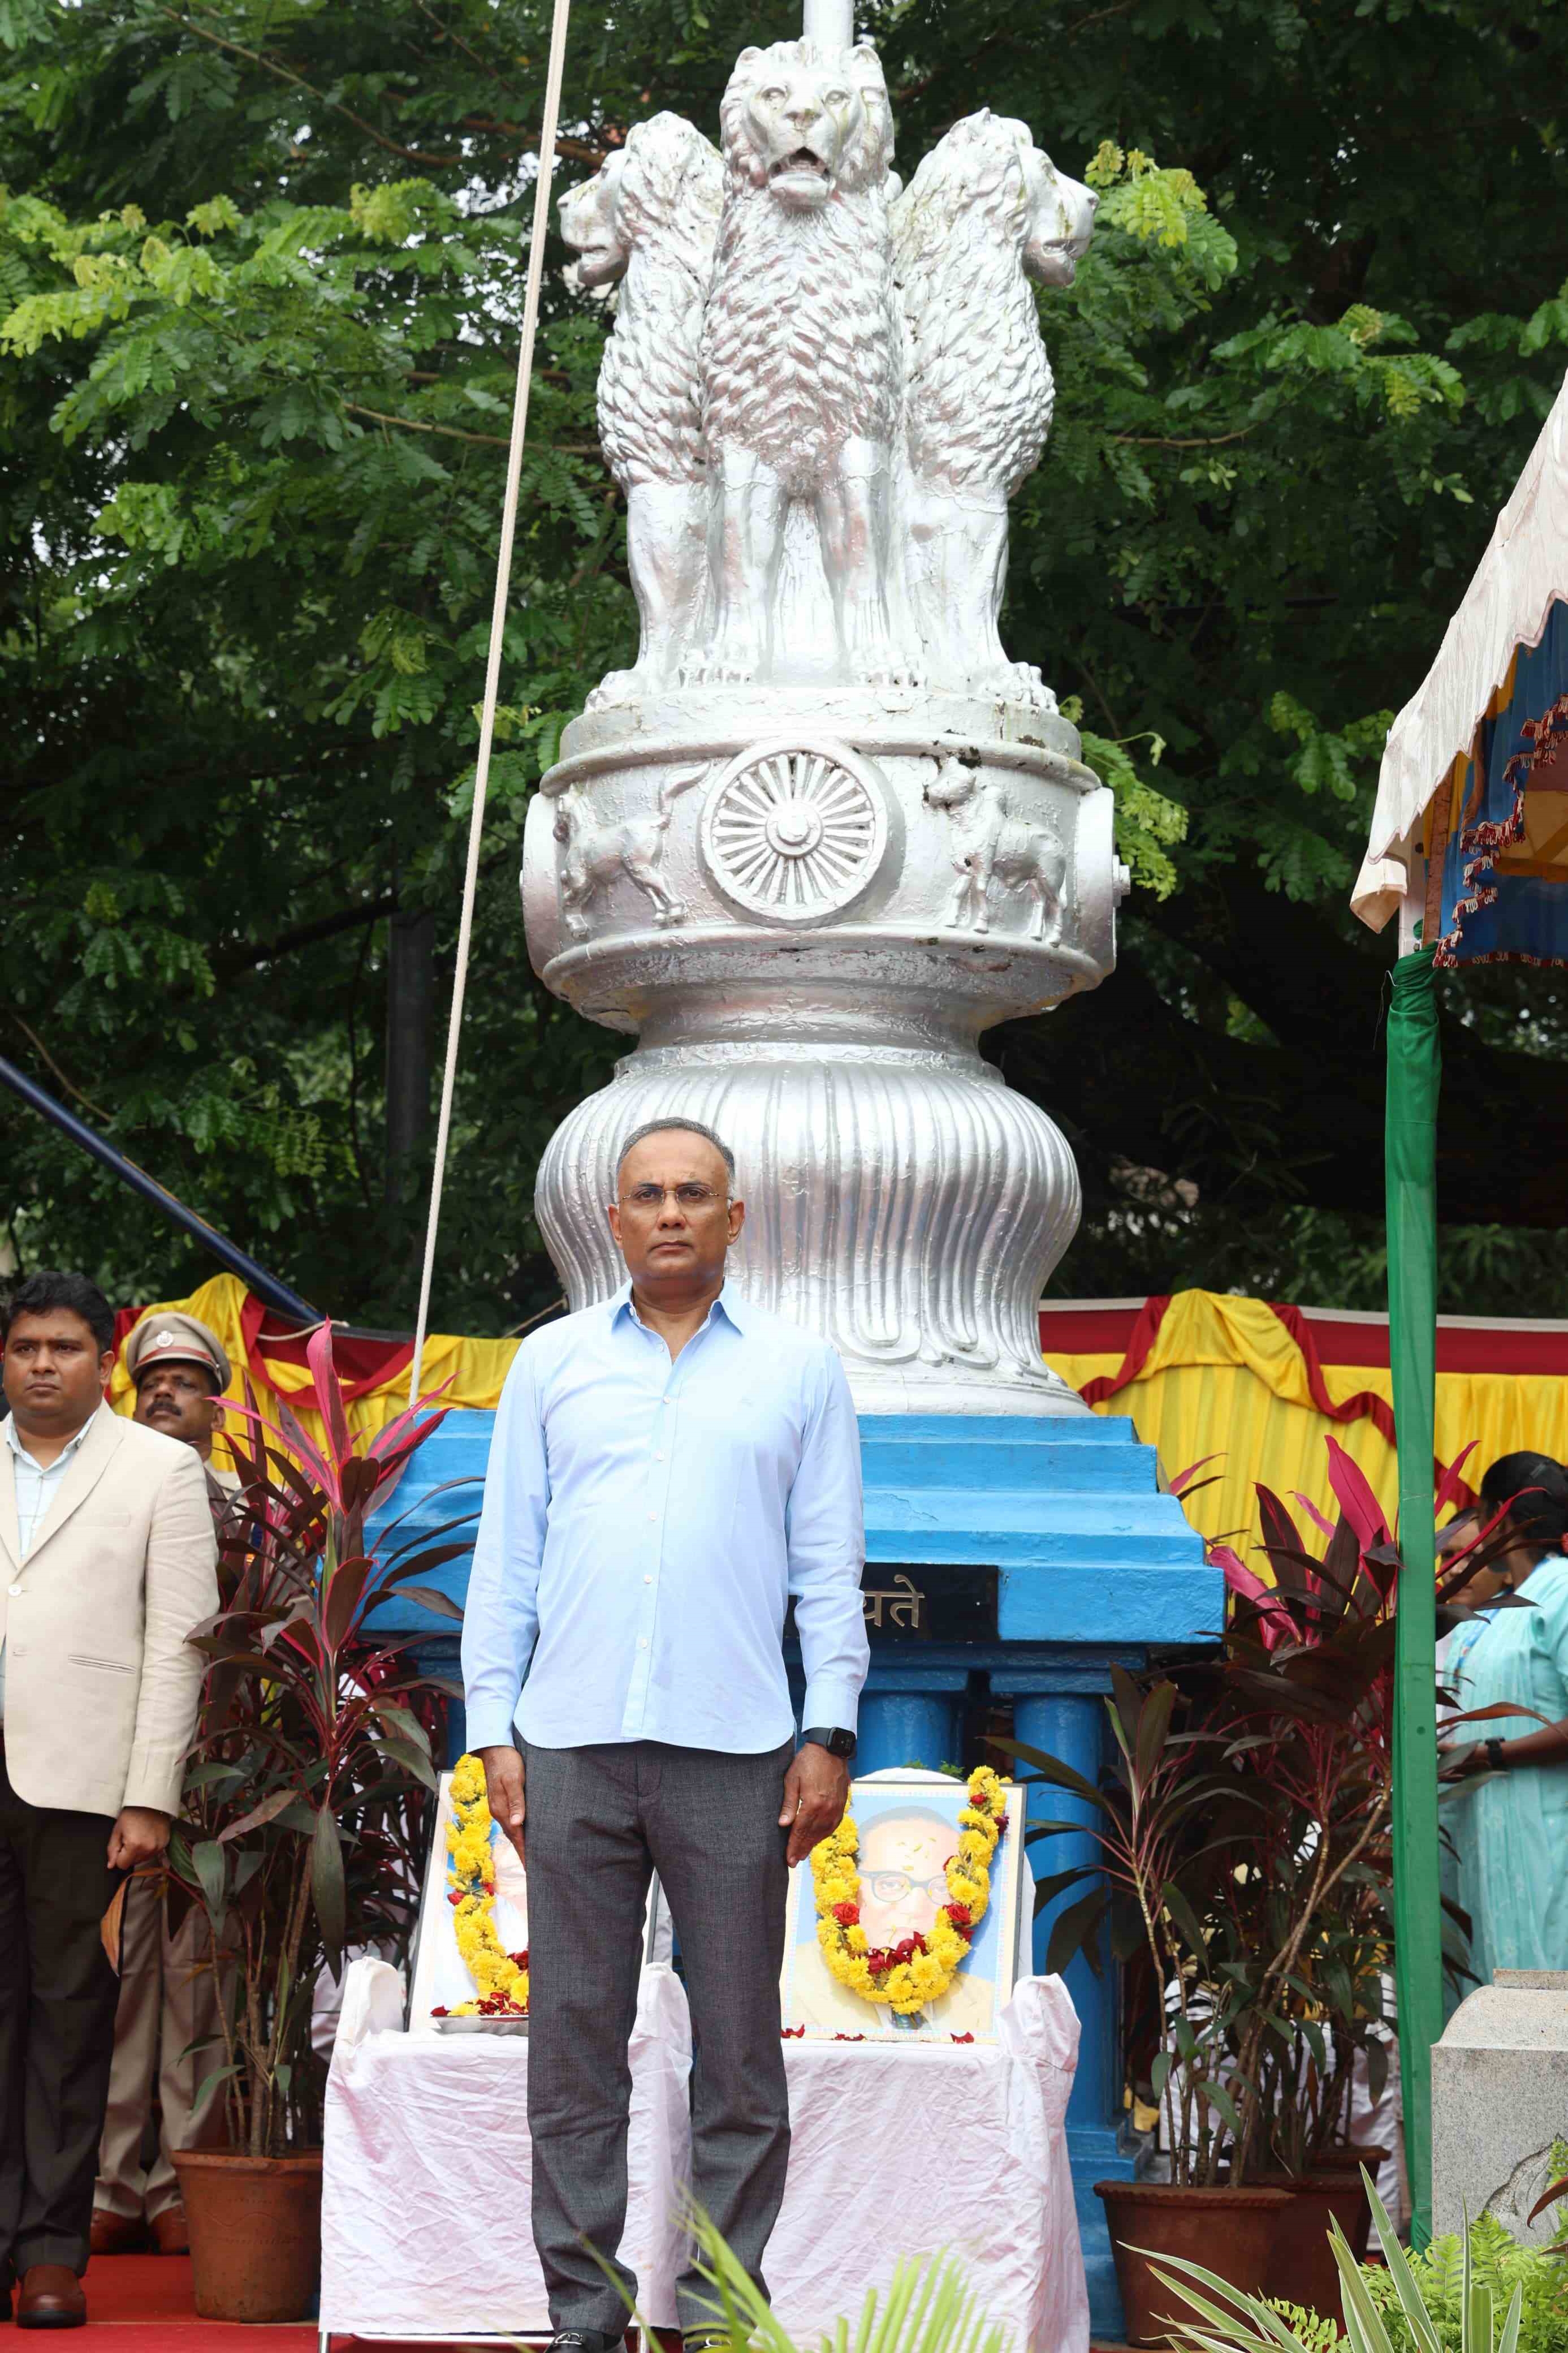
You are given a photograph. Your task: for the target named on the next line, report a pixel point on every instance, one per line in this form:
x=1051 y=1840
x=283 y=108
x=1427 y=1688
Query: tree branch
x=457 y=42
x=39 y=1048
x=414 y=425
x=1097 y=17
x=304 y=935
x=578 y=151
x=455 y=433
x=271 y=66
x=1158 y=441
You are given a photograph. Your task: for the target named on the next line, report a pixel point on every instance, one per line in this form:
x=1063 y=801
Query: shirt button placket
x=634 y=1723
x=664 y=1431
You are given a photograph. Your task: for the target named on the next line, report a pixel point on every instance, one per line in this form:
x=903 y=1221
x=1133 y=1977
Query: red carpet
x=140 y=2303
x=135 y=2303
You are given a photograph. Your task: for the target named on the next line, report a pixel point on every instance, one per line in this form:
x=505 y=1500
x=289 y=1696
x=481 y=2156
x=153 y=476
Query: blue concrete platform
x=1047 y=1545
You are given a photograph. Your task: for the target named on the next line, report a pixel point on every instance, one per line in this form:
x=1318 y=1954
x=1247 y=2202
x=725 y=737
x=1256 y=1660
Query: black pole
x=266 y=1286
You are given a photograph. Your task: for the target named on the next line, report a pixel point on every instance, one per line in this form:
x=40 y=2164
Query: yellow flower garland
x=501 y=1977
x=907 y=1976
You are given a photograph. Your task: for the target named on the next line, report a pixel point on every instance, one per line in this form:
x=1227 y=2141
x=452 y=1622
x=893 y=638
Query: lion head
x=1061 y=220
x=804 y=122
x=988 y=179
x=665 y=186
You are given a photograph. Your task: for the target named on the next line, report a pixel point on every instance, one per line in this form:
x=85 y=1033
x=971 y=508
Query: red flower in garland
x=440 y=2011
x=846 y=1915
x=961 y=1917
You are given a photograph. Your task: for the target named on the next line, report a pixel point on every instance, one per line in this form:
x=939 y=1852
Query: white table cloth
x=896 y=2151
x=428 y=2174
x=962 y=2146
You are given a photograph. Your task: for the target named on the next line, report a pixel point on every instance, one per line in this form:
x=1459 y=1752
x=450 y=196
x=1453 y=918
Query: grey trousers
x=599 y=1820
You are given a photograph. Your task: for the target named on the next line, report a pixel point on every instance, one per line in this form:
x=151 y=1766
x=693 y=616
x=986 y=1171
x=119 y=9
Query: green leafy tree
x=261 y=267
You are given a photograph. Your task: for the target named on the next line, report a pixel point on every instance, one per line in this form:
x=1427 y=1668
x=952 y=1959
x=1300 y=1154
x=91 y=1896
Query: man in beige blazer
x=166 y=2027
x=107 y=1562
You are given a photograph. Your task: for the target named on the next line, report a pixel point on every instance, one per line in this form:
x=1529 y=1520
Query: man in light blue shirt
x=668 y=1472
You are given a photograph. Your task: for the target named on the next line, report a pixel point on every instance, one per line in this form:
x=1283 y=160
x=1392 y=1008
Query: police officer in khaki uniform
x=167 y=2000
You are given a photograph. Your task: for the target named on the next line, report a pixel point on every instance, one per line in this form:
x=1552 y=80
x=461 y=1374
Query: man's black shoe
x=583 y=2340
x=706 y=2340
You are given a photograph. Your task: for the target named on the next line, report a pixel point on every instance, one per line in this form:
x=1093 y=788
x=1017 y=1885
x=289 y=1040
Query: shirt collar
x=13 y=1440
x=728 y=1304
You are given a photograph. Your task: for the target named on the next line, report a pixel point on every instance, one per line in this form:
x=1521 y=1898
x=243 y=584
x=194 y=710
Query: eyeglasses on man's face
x=691 y=1196
x=895 y=1886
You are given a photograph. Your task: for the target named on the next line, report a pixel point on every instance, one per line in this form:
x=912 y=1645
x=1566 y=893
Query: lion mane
x=980 y=391
x=801 y=345
x=667 y=217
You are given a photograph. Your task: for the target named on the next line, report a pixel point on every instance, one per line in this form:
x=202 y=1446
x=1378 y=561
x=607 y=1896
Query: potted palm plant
x=304 y=1817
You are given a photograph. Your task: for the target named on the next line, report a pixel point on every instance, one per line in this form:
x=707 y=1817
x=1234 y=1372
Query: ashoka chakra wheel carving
x=794 y=831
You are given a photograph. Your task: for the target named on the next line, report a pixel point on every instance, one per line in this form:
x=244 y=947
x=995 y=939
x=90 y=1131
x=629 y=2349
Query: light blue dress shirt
x=37 y=1486
x=645 y=1526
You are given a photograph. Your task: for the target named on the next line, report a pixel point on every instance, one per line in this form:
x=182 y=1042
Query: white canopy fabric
x=1519 y=579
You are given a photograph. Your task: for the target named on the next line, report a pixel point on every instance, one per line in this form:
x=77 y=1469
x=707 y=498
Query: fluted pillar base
x=906 y=1205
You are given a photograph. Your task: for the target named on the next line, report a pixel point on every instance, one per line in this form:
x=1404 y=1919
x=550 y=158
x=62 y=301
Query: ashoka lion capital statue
x=825 y=833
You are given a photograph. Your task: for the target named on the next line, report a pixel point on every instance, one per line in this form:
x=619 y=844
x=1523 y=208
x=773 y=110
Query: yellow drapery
x=475 y=1369
x=1225 y=1377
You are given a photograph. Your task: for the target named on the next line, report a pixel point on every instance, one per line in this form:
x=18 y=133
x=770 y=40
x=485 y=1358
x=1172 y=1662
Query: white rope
x=492 y=671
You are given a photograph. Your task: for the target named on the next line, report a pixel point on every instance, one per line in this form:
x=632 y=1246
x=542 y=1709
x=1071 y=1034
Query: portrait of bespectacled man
x=909 y=1831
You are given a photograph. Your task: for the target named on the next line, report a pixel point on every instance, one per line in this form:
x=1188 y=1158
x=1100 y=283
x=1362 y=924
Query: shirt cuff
x=831 y=1703
x=492 y=1725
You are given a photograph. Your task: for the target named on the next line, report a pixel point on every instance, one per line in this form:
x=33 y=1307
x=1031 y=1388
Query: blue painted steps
x=1068 y=1510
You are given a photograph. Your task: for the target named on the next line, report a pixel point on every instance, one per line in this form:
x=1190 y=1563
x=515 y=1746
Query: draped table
x=896 y=2150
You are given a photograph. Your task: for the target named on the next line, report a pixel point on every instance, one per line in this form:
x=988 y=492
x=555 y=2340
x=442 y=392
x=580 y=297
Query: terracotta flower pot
x=1230 y=2232
x=1349 y=2156
x=256 y=2232
x=1303 y=2269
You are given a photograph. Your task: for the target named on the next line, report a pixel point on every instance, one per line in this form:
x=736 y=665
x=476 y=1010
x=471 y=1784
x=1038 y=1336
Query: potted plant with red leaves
x=1174 y=1817
x=1323 y=1633
x=1243 y=1836
x=305 y=1809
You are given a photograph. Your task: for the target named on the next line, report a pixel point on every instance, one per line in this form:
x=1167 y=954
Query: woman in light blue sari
x=1509 y=1814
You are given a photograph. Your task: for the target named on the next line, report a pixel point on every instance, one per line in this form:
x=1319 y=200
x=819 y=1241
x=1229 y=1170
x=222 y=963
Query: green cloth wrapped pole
x=1415 y=1076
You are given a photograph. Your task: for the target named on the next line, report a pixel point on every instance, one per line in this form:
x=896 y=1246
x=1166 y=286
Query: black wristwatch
x=835 y=1742
x=1495 y=1757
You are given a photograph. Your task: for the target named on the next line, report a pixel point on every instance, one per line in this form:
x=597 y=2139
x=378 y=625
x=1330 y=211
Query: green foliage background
x=260 y=276
x=1497 y=2262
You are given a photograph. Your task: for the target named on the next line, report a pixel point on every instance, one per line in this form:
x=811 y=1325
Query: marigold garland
x=501 y=1977
x=907 y=1976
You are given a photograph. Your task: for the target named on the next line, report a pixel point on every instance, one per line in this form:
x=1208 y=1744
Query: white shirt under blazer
x=102 y=1686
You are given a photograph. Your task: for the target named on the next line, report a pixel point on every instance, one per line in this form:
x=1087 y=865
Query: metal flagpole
x=1414 y=1077
x=492 y=671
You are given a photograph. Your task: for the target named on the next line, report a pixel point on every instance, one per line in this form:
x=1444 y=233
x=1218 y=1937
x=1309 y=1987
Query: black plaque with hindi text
x=911 y=1601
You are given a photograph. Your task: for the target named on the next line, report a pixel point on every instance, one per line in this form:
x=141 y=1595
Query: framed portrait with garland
x=907 y=1926
x=470 y=1948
